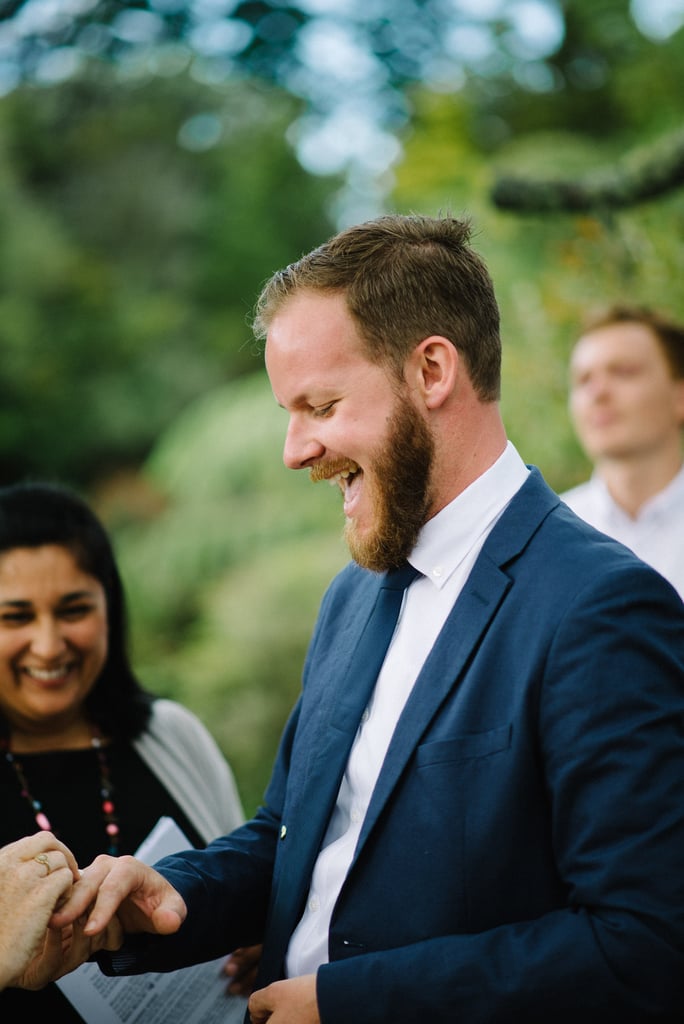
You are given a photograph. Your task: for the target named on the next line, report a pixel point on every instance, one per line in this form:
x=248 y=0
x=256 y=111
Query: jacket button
x=283 y=831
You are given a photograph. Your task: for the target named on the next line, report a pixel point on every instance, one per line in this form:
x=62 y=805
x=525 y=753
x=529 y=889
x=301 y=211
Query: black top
x=67 y=783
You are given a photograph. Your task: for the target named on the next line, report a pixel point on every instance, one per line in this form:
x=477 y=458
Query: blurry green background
x=158 y=160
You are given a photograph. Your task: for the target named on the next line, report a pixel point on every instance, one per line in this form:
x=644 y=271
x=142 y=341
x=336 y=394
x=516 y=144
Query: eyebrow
x=74 y=595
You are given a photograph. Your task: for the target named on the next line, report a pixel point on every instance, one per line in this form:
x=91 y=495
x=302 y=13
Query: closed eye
x=18 y=618
x=322 y=411
x=73 y=612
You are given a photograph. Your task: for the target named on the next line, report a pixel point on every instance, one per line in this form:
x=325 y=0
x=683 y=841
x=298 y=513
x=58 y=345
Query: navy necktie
x=375 y=639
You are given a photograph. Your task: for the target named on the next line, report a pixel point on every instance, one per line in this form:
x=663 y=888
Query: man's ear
x=432 y=370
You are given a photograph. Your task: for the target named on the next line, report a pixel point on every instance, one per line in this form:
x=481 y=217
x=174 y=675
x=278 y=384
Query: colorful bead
x=42 y=820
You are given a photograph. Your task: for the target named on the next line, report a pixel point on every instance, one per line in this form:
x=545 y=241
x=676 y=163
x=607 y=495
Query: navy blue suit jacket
x=522 y=859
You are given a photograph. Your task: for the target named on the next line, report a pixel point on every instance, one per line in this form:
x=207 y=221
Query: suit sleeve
x=225 y=887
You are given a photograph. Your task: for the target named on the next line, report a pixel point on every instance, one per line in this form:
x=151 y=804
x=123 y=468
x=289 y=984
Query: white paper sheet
x=193 y=995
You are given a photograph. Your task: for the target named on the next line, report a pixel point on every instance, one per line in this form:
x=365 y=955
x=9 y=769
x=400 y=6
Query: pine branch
x=643 y=174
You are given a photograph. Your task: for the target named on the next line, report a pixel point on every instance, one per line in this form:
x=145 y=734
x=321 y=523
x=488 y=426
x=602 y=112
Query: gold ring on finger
x=42 y=858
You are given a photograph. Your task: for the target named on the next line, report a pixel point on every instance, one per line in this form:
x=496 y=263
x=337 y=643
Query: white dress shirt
x=656 y=534
x=445 y=553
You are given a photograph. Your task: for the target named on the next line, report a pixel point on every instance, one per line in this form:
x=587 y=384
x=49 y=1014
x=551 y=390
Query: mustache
x=332 y=468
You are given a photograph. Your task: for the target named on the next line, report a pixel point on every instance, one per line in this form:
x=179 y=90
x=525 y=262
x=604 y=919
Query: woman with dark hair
x=85 y=751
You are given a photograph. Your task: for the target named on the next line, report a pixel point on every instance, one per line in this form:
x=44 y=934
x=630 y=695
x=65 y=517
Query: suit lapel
x=465 y=625
x=334 y=727
x=441 y=673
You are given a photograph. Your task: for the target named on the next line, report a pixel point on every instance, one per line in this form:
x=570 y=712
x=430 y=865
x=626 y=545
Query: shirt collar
x=661 y=504
x=447 y=538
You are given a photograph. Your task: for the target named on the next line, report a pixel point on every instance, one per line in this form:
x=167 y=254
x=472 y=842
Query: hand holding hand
x=65 y=949
x=36 y=874
x=141 y=899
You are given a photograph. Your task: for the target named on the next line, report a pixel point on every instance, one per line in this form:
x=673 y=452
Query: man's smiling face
x=350 y=422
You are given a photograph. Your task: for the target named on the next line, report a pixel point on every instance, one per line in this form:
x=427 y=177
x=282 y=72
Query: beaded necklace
x=106 y=792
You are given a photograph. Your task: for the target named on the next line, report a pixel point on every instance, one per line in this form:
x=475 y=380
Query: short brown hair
x=405 y=277
x=670 y=335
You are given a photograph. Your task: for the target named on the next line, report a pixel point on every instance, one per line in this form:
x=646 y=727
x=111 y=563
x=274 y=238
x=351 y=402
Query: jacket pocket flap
x=469 y=745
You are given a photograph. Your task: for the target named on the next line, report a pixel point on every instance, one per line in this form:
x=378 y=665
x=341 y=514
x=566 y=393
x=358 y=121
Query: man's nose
x=301 y=448
x=601 y=384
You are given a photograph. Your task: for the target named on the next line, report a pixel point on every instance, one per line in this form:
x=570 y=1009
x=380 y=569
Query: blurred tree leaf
x=531 y=65
x=224 y=496
x=131 y=251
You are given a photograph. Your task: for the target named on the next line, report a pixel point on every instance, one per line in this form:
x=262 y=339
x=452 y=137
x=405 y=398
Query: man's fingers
x=259 y=1007
x=142 y=898
x=81 y=897
x=138 y=895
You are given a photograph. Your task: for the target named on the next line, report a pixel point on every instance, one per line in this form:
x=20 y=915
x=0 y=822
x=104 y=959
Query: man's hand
x=141 y=899
x=286 y=1002
x=241 y=968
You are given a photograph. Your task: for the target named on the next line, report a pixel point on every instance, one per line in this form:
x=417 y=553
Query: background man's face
x=624 y=400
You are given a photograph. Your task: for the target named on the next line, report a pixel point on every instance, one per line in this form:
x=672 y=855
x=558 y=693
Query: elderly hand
x=36 y=875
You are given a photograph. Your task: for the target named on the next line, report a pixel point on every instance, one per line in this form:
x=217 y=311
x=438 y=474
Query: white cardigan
x=184 y=756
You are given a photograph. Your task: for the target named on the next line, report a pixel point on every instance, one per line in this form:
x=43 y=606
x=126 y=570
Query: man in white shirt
x=627 y=406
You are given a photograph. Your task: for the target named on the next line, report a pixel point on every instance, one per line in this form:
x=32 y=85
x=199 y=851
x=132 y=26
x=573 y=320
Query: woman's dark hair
x=33 y=514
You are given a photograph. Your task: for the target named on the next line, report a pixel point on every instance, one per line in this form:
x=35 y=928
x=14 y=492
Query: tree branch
x=643 y=174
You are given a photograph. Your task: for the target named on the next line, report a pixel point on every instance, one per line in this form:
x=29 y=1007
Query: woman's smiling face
x=53 y=636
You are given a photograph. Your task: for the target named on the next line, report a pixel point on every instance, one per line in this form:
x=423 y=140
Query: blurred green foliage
x=225 y=578
x=138 y=218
